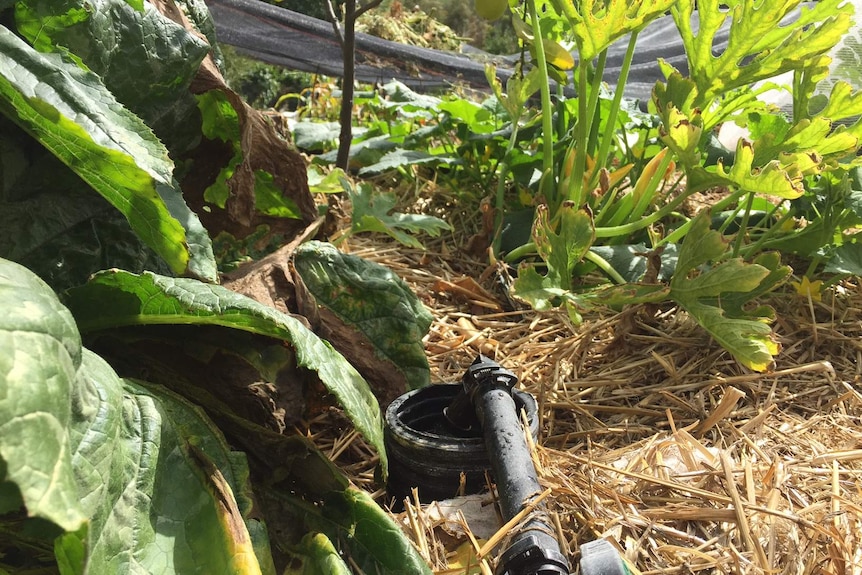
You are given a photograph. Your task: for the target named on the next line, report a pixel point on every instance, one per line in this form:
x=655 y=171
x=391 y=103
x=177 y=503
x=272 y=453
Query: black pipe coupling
x=483 y=375
x=486 y=400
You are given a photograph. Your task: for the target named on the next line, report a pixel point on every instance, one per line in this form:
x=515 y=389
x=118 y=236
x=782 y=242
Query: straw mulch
x=652 y=436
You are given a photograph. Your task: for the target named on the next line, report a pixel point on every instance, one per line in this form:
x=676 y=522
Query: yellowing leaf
x=596 y=24
x=463 y=560
x=715 y=296
x=758 y=48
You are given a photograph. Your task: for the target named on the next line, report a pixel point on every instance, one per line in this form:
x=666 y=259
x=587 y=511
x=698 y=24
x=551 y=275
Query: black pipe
x=487 y=401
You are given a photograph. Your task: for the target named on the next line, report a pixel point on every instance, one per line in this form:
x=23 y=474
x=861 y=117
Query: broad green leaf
x=362 y=530
x=844 y=103
x=597 y=23
x=116 y=298
x=330 y=183
x=145 y=458
x=758 y=47
x=700 y=290
x=80 y=122
x=561 y=251
x=631 y=260
x=372 y=300
x=316 y=555
x=373 y=212
x=779 y=177
x=38 y=366
x=146 y=60
x=749 y=341
x=399 y=158
x=845 y=260
x=316 y=136
x=65 y=236
x=541 y=292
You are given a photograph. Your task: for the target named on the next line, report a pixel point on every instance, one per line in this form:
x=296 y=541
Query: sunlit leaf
x=700 y=289
x=597 y=23
x=116 y=298
x=758 y=47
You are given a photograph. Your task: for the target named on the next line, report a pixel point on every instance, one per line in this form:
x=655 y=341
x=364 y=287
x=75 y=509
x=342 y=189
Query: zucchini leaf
x=596 y=24
x=116 y=298
x=714 y=296
x=762 y=42
x=373 y=212
x=71 y=113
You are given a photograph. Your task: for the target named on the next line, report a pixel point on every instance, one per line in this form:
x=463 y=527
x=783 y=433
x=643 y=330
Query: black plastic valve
x=486 y=400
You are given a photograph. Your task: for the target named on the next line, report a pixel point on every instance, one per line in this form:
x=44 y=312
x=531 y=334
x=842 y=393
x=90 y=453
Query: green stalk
x=743 y=228
x=576 y=184
x=593 y=105
x=770 y=232
x=681 y=231
x=502 y=173
x=606 y=267
x=607 y=138
x=547 y=112
x=632 y=227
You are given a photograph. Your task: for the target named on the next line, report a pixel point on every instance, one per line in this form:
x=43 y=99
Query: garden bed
x=651 y=435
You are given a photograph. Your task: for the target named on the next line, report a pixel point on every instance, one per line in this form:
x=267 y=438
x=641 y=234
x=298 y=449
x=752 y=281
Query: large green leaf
x=139 y=479
x=698 y=289
x=316 y=555
x=145 y=59
x=163 y=491
x=38 y=365
x=116 y=298
x=372 y=300
x=373 y=212
x=71 y=113
x=758 y=47
x=65 y=236
x=596 y=24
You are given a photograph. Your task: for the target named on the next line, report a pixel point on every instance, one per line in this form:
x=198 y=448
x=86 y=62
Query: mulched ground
x=651 y=435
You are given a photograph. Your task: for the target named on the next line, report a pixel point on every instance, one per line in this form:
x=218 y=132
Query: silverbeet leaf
x=374 y=302
x=137 y=479
x=117 y=298
x=41 y=356
x=145 y=59
x=71 y=113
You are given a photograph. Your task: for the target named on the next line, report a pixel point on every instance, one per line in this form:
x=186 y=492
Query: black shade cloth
x=279 y=36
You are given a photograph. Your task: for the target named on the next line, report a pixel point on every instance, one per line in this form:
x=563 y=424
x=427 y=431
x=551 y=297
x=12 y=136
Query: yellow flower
x=807 y=288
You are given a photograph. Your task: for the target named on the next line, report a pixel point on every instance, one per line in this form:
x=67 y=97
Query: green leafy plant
x=789 y=166
x=124 y=396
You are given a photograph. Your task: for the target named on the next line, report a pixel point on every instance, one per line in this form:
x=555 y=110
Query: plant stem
x=502 y=173
x=608 y=137
x=547 y=112
x=683 y=229
x=576 y=184
x=603 y=265
x=743 y=227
